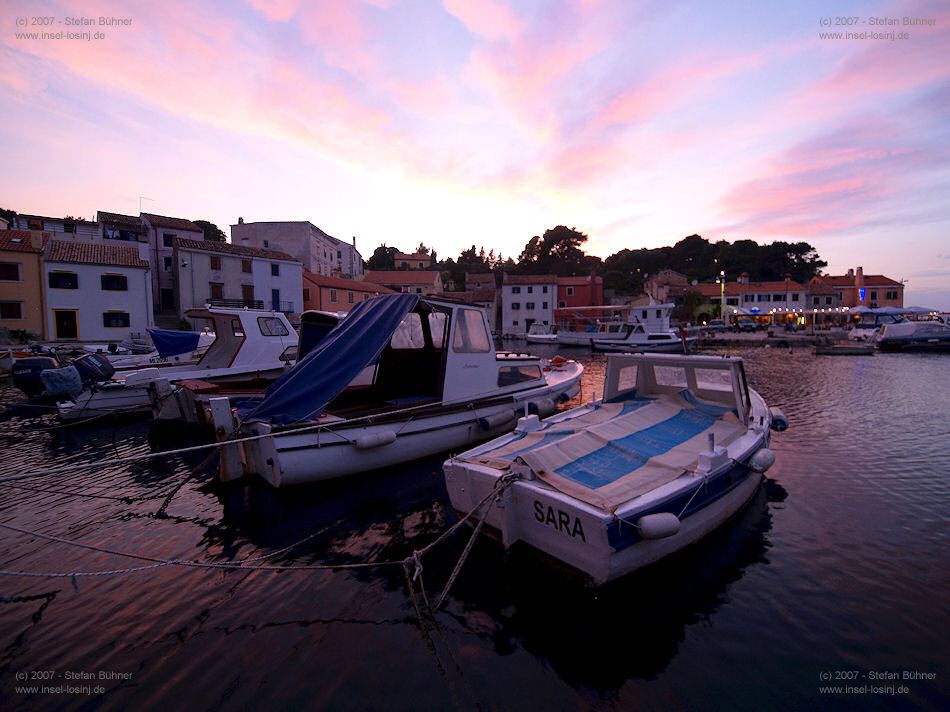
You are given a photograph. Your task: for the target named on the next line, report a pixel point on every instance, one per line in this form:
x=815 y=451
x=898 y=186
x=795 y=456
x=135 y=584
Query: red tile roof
x=226 y=248
x=578 y=281
x=402 y=276
x=530 y=279
x=78 y=221
x=735 y=288
x=340 y=283
x=120 y=219
x=92 y=253
x=172 y=223
x=21 y=241
x=870 y=280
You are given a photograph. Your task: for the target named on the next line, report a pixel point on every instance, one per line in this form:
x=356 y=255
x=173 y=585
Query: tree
x=558 y=251
x=8 y=215
x=383 y=258
x=211 y=231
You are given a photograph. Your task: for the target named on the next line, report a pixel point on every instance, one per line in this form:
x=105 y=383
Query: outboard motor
x=26 y=373
x=93 y=368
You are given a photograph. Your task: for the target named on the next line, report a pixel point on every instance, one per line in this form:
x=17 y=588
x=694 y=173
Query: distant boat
x=676 y=447
x=915 y=336
x=541 y=334
x=437 y=384
x=648 y=331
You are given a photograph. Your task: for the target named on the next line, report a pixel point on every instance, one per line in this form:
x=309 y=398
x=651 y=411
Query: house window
x=365 y=296
x=732 y=301
x=840 y=296
x=114 y=283
x=349 y=297
x=63 y=280
x=69 y=227
x=11 y=310
x=762 y=297
x=795 y=296
x=115 y=319
x=217 y=290
x=332 y=295
x=544 y=289
x=544 y=305
x=10 y=271
x=515 y=306
x=247 y=294
x=339 y=254
x=530 y=290
x=274 y=270
x=827 y=300
x=418 y=290
x=514 y=323
x=570 y=291
x=266 y=243
x=561 y=304
x=892 y=294
x=778 y=297
x=168 y=239
x=748 y=297
x=246 y=266
x=306 y=294
x=529 y=305
x=516 y=290
x=816 y=301
x=34 y=224
x=215 y=261
x=168 y=263
x=874 y=295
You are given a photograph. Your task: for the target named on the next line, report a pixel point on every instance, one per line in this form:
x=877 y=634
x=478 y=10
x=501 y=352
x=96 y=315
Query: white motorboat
x=437 y=384
x=676 y=447
x=578 y=326
x=251 y=346
x=648 y=330
x=914 y=336
x=541 y=334
x=870 y=321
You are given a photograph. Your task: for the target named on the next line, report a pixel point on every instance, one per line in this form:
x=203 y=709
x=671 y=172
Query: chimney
x=851 y=273
x=240 y=221
x=36 y=240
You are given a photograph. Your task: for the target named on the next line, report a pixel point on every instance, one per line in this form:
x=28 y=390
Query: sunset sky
x=478 y=121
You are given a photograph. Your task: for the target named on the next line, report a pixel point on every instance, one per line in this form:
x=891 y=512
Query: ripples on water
x=840 y=562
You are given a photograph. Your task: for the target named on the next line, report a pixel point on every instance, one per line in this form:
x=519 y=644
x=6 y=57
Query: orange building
x=21 y=281
x=336 y=294
x=858 y=289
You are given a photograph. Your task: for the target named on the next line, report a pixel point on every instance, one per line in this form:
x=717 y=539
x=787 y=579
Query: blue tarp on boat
x=357 y=341
x=172 y=343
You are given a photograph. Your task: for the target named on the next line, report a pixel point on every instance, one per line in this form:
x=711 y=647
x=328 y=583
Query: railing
x=285 y=307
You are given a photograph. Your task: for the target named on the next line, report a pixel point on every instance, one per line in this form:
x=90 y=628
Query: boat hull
x=596 y=543
x=342 y=449
x=667 y=347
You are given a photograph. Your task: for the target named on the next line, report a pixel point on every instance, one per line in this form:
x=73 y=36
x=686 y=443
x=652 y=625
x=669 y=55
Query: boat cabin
x=246 y=336
x=711 y=379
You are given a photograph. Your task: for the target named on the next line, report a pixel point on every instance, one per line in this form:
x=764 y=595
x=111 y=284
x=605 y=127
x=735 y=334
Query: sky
x=482 y=122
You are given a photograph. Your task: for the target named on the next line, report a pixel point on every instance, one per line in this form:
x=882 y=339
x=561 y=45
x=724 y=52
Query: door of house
x=67 y=323
x=247 y=294
x=275 y=299
x=167 y=298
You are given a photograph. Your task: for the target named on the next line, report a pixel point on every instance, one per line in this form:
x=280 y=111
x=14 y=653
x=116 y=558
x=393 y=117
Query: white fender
x=659 y=525
x=365 y=442
x=762 y=460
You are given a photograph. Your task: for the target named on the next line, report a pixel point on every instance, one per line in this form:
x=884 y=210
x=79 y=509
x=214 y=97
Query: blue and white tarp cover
x=305 y=390
x=172 y=343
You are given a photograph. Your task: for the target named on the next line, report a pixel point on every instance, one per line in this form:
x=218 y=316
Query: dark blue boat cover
x=172 y=343
x=357 y=341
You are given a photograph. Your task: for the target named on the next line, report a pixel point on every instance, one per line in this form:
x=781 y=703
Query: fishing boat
x=914 y=336
x=541 y=334
x=648 y=330
x=676 y=447
x=251 y=347
x=437 y=384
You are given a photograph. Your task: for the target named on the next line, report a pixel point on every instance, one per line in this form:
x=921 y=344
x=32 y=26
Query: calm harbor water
x=839 y=567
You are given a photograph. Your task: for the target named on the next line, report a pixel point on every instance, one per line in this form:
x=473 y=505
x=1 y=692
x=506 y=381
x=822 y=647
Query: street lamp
x=722 y=293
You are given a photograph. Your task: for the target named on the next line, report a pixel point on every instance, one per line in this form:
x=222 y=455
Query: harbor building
x=122 y=228
x=526 y=300
x=336 y=294
x=160 y=232
x=222 y=274
x=856 y=289
x=21 y=281
x=318 y=252
x=756 y=299
x=67 y=228
x=580 y=291
x=411 y=281
x=95 y=292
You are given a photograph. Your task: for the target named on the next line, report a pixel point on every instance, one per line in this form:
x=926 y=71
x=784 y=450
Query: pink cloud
x=276 y=10
x=486 y=18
